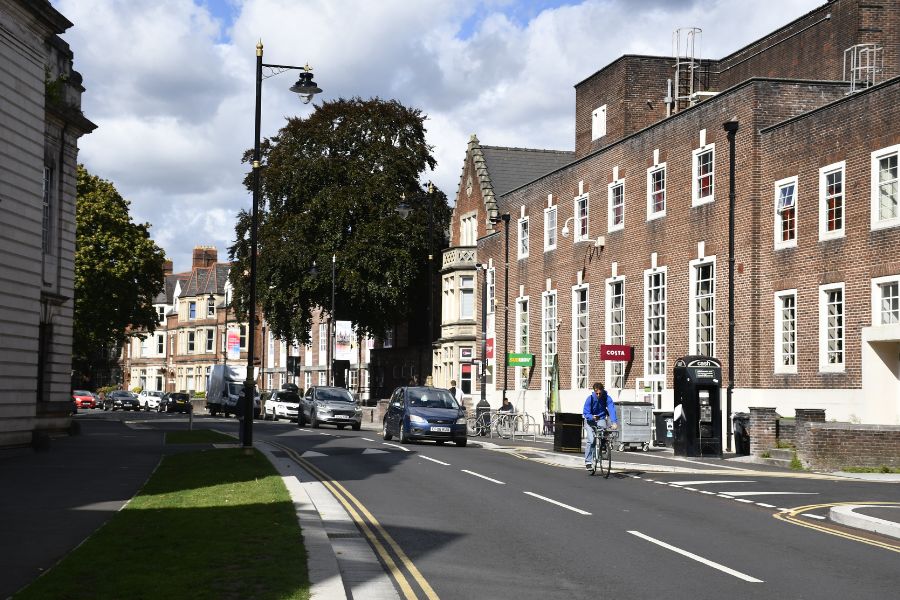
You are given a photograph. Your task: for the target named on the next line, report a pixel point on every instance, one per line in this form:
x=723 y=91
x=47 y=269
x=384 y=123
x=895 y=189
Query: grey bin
x=635 y=425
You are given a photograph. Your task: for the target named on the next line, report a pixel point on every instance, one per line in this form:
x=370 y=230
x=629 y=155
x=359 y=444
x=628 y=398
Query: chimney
x=204 y=257
x=167 y=268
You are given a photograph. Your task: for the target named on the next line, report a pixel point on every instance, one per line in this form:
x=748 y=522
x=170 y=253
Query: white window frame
x=192 y=303
x=696 y=200
x=612 y=367
x=160 y=344
x=584 y=353
x=610 y=191
x=824 y=172
x=877 y=299
x=582 y=221
x=598 y=122
x=523 y=233
x=522 y=339
x=161 y=313
x=651 y=215
x=191 y=342
x=210 y=342
x=491 y=279
x=467 y=290
x=694 y=342
x=323 y=380
x=549 y=341
x=778 y=331
x=468 y=230
x=307 y=380
x=550 y=232
x=242 y=337
x=658 y=378
x=876 y=221
x=210 y=307
x=824 y=365
x=779 y=243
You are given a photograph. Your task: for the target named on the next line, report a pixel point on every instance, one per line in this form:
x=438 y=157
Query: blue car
x=424 y=413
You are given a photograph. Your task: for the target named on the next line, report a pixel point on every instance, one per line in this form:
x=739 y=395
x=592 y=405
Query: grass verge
x=881 y=469
x=199 y=436
x=213 y=524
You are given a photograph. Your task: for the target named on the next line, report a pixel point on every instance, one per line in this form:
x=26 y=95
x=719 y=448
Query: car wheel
x=356 y=426
x=385 y=434
x=146 y=407
x=314 y=421
x=404 y=436
x=461 y=443
x=301 y=419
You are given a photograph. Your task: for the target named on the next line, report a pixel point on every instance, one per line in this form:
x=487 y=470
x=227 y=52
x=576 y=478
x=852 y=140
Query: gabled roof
x=167 y=295
x=206 y=280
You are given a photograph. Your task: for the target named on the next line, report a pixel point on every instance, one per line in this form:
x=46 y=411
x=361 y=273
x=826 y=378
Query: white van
x=225 y=390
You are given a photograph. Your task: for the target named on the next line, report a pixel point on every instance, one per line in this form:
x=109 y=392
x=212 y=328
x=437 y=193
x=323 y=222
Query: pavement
x=66 y=492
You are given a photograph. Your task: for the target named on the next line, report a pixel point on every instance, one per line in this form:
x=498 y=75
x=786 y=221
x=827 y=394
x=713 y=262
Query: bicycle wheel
x=596 y=455
x=605 y=458
x=471 y=426
x=504 y=426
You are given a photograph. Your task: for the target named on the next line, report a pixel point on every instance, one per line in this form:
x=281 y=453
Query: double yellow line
x=791 y=515
x=367 y=523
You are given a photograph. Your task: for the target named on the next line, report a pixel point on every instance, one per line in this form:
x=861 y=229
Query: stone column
x=762 y=430
x=804 y=417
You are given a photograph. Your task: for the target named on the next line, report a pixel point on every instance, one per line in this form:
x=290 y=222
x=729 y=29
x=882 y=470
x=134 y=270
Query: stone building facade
x=40 y=124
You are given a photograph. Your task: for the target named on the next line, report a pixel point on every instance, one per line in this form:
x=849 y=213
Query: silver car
x=331 y=405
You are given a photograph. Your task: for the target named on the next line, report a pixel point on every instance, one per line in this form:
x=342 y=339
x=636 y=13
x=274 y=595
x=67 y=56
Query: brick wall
x=763 y=429
x=832 y=446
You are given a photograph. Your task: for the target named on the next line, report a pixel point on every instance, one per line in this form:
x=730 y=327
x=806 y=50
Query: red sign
x=466 y=368
x=613 y=352
x=490 y=347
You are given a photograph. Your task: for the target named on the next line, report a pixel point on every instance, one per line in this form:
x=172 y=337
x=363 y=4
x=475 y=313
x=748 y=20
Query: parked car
x=175 y=402
x=98 y=402
x=424 y=413
x=282 y=404
x=83 y=399
x=150 y=399
x=121 y=400
x=331 y=405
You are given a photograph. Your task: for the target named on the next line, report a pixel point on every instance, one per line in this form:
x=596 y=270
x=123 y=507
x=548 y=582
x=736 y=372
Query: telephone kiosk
x=698 y=411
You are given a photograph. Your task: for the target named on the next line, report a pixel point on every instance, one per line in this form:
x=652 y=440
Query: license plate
x=340 y=416
x=441 y=429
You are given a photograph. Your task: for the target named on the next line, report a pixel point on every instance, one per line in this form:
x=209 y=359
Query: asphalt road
x=484 y=524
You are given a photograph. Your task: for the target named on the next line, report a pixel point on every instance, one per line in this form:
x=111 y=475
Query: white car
x=149 y=400
x=283 y=404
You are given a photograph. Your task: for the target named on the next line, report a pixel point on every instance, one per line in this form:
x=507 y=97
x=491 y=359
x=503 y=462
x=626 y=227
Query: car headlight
x=321 y=411
x=461 y=421
x=417 y=420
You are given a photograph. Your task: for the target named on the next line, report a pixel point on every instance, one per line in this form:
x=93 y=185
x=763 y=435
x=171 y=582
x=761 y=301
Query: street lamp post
x=332 y=328
x=483 y=375
x=430 y=328
x=306 y=88
x=731 y=128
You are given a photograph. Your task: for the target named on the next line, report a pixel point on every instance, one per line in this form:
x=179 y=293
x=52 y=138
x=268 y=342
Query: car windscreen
x=179 y=397
x=431 y=398
x=288 y=397
x=333 y=395
x=158 y=394
x=81 y=393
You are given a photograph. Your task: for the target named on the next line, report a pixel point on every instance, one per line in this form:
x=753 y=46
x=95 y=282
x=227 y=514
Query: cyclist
x=507 y=407
x=599 y=405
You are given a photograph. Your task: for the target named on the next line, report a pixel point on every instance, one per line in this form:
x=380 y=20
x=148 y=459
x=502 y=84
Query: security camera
x=601 y=242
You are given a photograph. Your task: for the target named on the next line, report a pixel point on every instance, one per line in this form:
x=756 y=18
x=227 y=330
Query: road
x=477 y=523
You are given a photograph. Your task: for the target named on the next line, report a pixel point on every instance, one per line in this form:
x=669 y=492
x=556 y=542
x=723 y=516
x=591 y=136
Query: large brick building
x=628 y=242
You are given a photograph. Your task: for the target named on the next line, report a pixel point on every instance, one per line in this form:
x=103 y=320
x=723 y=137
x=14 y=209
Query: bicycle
x=604 y=439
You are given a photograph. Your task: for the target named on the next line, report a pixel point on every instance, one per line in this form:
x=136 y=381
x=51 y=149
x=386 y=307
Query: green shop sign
x=519 y=360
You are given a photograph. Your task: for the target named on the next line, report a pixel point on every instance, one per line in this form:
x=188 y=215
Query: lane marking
x=367 y=439
x=482 y=476
x=699 y=559
x=328 y=434
x=771 y=493
x=707 y=493
x=551 y=501
x=790 y=516
x=819 y=517
x=312 y=454
x=710 y=481
x=374 y=451
x=440 y=462
x=763 y=504
x=743 y=500
x=694 y=489
x=396 y=446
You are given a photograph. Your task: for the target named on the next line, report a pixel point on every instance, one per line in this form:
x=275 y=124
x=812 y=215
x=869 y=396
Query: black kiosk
x=698 y=411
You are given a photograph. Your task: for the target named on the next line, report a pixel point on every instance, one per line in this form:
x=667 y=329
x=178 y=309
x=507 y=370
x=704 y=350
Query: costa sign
x=616 y=352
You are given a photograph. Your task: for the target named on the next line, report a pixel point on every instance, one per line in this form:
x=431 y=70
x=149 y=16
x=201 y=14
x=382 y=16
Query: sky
x=170 y=83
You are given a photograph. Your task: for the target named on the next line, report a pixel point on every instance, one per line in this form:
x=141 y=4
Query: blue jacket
x=602 y=406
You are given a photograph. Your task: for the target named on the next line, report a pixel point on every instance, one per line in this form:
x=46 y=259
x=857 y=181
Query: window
x=831 y=327
x=210 y=340
x=468 y=230
x=786 y=332
x=703 y=307
x=47 y=202
x=786 y=213
x=161 y=312
x=322 y=379
x=351 y=379
x=210 y=307
x=580 y=346
x=521 y=339
x=307 y=380
x=190 y=341
x=466 y=297
x=831 y=201
x=598 y=123
x=655 y=330
x=703 y=182
x=615 y=330
x=656 y=192
x=160 y=344
x=581 y=218
x=447 y=302
x=616 y=194
x=885 y=192
x=886 y=300
x=548 y=339
x=388 y=340
x=323 y=343
x=523 y=237
x=550 y=228
x=189 y=386
x=465 y=379
x=491 y=289
x=192 y=310
x=243 y=337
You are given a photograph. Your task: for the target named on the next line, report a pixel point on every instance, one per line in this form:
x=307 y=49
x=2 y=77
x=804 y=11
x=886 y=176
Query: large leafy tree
x=332 y=185
x=118 y=272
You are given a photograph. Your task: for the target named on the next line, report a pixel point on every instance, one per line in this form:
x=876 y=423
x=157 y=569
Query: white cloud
x=171 y=87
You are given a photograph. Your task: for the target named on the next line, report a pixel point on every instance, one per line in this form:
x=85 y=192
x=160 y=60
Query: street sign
x=519 y=360
x=616 y=352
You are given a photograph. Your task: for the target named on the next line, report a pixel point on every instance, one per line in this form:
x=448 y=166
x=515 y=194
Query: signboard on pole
x=519 y=360
x=489 y=346
x=233 y=344
x=343 y=340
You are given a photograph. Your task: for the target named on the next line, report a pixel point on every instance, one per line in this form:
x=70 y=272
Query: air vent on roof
x=863 y=65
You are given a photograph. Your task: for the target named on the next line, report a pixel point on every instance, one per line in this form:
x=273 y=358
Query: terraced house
x=627 y=244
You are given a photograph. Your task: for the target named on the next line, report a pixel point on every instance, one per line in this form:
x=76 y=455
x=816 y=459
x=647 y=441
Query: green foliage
x=795 y=463
x=766 y=454
x=118 y=272
x=137 y=389
x=199 y=395
x=331 y=185
x=783 y=445
x=881 y=469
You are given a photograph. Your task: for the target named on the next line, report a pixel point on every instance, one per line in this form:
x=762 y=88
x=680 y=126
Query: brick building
x=628 y=242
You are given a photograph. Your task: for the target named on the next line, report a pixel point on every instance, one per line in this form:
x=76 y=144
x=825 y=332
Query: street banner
x=489 y=347
x=233 y=344
x=343 y=341
x=519 y=360
x=553 y=403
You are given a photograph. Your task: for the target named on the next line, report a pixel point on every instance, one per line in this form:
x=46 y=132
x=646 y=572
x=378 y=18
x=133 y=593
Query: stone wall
x=762 y=430
x=832 y=446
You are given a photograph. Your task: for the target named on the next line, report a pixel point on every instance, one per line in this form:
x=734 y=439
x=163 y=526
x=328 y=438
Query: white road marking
x=743 y=500
x=709 y=481
x=374 y=451
x=482 y=476
x=812 y=516
x=661 y=482
x=690 y=489
x=770 y=493
x=367 y=439
x=699 y=559
x=396 y=446
x=551 y=501
x=328 y=434
x=707 y=493
x=440 y=462
x=763 y=504
x=311 y=454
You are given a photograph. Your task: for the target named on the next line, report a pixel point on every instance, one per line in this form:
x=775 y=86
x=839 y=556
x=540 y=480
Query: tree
x=118 y=273
x=332 y=185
